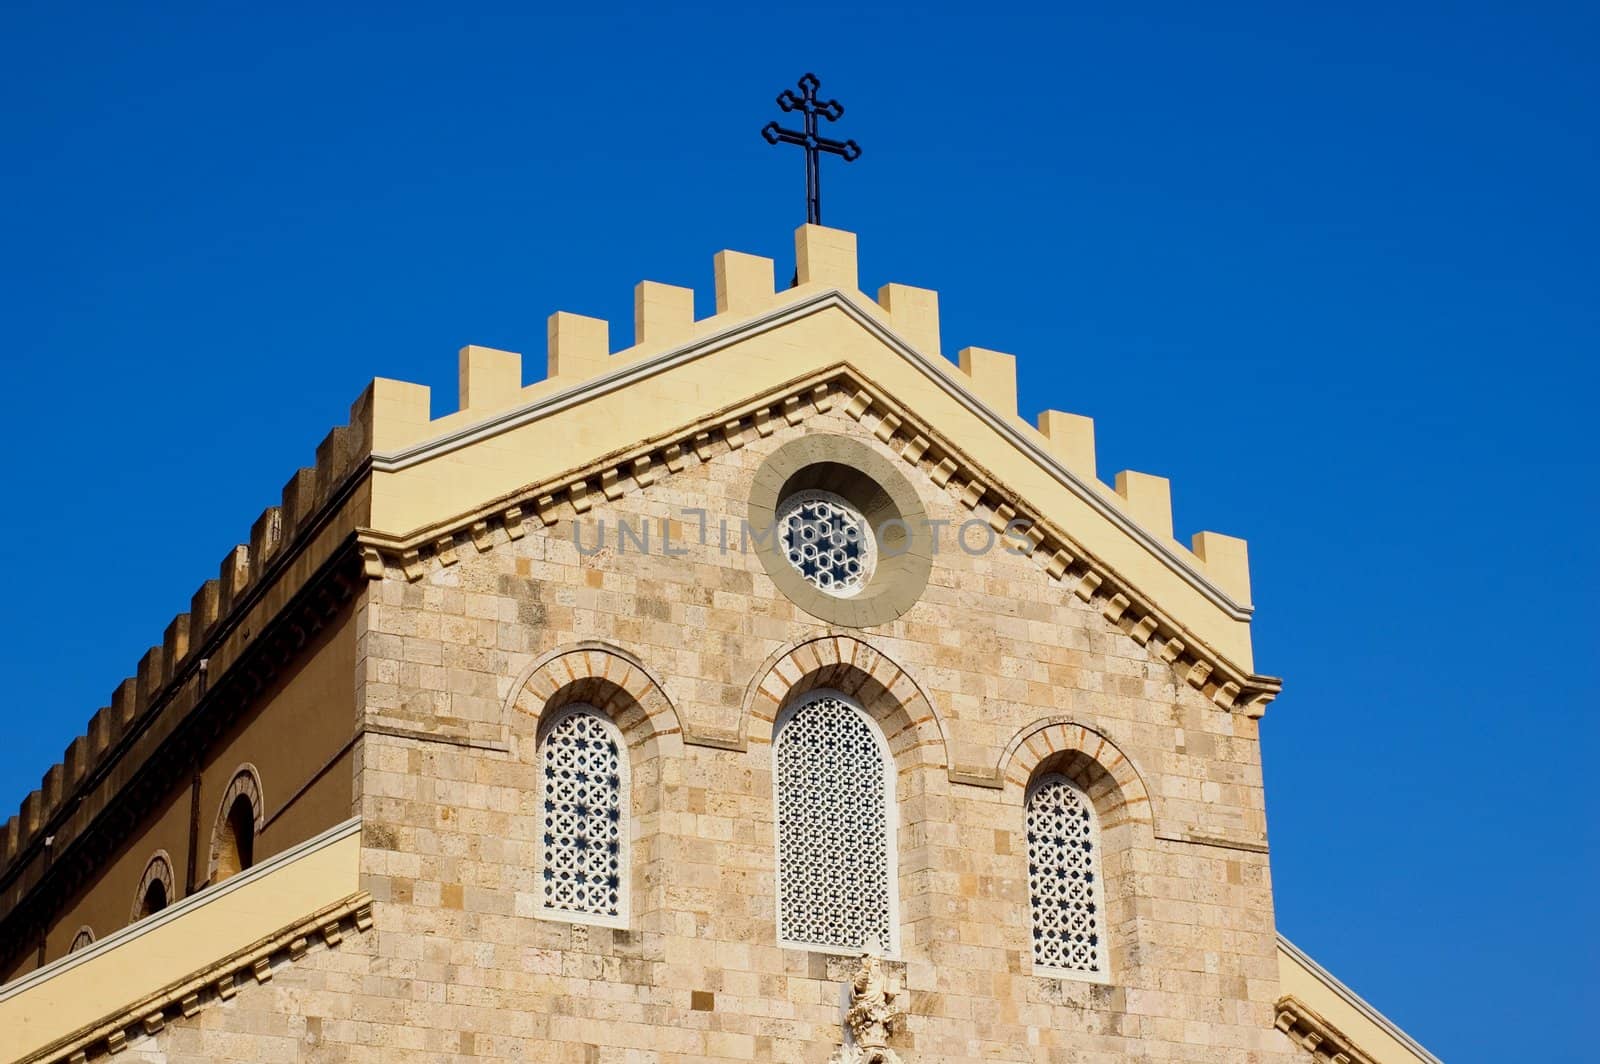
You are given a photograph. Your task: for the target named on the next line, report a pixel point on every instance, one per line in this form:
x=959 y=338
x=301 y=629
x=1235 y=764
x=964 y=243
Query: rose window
x=827 y=540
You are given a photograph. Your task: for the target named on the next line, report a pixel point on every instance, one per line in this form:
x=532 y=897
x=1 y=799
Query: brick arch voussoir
x=599 y=674
x=1053 y=739
x=846 y=663
x=246 y=780
x=158 y=867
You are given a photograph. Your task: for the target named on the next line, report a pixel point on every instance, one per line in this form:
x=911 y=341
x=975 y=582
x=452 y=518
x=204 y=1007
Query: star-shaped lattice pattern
x=1064 y=879
x=833 y=829
x=583 y=816
x=827 y=541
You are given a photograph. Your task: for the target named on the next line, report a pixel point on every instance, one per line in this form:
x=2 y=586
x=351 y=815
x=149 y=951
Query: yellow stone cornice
x=216 y=982
x=1315 y=1035
x=1065 y=562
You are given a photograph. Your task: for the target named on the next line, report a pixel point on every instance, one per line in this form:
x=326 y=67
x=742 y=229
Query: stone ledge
x=216 y=982
x=1315 y=1035
x=1063 y=560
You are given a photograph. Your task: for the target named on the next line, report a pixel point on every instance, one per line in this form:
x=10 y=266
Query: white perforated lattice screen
x=582 y=789
x=827 y=541
x=835 y=833
x=1064 y=886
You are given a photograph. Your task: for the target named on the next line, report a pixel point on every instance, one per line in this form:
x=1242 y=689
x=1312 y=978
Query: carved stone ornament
x=874 y=1015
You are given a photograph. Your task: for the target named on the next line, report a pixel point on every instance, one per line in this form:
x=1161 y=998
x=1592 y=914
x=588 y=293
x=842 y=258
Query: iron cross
x=808 y=104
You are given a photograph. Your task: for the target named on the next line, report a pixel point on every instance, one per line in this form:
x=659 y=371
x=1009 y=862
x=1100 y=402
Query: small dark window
x=155 y=898
x=238 y=850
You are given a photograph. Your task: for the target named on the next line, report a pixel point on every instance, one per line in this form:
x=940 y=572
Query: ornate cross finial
x=808 y=104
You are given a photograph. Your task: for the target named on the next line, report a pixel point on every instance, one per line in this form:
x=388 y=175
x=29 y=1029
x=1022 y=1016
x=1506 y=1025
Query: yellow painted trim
x=131 y=975
x=1327 y=1018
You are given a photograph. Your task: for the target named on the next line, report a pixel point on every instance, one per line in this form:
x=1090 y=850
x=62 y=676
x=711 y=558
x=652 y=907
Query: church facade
x=767 y=690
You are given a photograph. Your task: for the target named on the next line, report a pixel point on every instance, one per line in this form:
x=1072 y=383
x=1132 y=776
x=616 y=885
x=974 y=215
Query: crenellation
x=51 y=790
x=825 y=256
x=993 y=376
x=488 y=378
x=299 y=502
x=203 y=611
x=451 y=668
x=1148 y=499
x=914 y=314
x=100 y=734
x=335 y=457
x=662 y=313
x=150 y=676
x=744 y=283
x=1227 y=562
x=1070 y=438
x=579 y=347
x=233 y=578
x=76 y=760
x=392 y=414
x=174 y=645
x=266 y=536
x=124 y=705
x=30 y=817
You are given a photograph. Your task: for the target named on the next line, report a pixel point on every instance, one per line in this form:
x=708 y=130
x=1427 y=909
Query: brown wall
x=296 y=735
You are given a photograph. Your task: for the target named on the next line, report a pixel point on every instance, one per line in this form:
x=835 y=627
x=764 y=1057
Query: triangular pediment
x=399 y=487
x=550 y=448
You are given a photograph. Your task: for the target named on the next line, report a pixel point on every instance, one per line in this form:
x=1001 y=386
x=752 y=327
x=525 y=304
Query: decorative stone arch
x=1093 y=761
x=600 y=675
x=907 y=724
x=84 y=937
x=157 y=870
x=246 y=783
x=850 y=665
x=1116 y=792
x=617 y=687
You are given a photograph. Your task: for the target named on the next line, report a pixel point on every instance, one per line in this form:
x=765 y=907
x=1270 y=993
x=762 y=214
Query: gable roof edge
x=812 y=303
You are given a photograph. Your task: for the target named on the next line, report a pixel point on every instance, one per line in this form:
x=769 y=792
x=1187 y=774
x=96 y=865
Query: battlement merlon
x=420 y=475
x=579 y=354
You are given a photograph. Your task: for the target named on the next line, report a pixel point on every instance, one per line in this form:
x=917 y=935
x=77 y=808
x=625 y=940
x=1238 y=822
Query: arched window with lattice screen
x=1066 y=894
x=583 y=842
x=833 y=778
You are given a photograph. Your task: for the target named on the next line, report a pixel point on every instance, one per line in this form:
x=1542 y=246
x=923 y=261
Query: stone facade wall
x=693 y=656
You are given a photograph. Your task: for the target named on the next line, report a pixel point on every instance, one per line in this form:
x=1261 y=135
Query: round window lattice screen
x=833 y=829
x=581 y=849
x=827 y=540
x=1064 y=879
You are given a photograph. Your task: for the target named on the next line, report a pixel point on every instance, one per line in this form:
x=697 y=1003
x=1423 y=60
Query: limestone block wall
x=692 y=656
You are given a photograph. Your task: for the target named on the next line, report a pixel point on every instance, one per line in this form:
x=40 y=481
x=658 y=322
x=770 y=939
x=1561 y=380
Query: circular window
x=828 y=541
x=840 y=530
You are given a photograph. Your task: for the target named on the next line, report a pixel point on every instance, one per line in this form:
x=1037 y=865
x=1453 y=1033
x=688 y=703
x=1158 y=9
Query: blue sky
x=1334 y=272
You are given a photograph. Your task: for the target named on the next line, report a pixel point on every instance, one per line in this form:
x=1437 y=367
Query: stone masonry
x=693 y=656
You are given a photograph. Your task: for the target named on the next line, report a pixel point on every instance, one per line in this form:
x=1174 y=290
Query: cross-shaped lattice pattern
x=581 y=846
x=1064 y=879
x=833 y=829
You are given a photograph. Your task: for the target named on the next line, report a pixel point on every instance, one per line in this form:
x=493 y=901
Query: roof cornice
x=806 y=305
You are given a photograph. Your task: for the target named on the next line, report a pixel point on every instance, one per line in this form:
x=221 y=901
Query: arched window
x=84 y=937
x=583 y=790
x=1065 y=892
x=156 y=888
x=239 y=819
x=238 y=839
x=835 y=810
